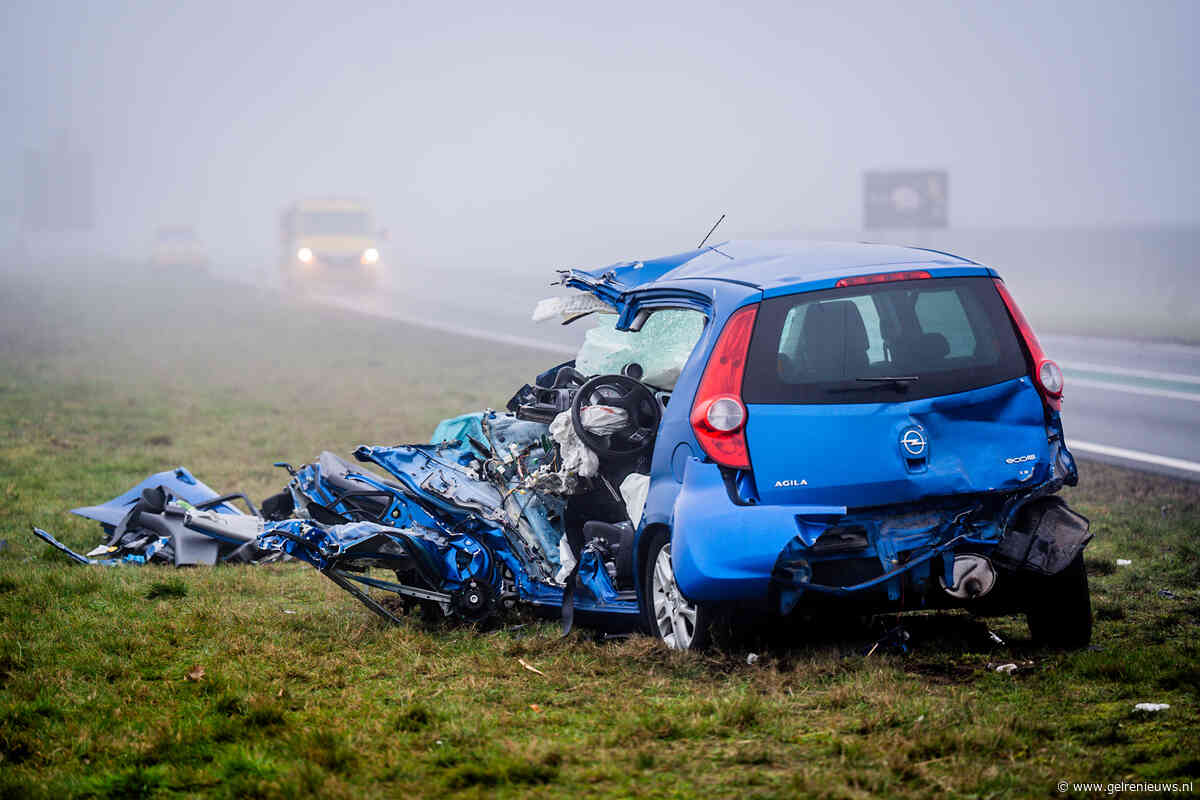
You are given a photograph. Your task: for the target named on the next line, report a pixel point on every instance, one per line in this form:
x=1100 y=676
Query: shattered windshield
x=661 y=347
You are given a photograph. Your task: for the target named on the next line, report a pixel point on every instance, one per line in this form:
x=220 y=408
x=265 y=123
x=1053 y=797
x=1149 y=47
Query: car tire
x=1060 y=612
x=680 y=625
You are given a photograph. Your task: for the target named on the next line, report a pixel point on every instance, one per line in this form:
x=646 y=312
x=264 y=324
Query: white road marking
x=1134 y=455
x=1177 y=377
x=1148 y=391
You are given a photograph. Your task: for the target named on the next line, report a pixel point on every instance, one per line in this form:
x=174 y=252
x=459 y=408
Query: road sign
x=905 y=199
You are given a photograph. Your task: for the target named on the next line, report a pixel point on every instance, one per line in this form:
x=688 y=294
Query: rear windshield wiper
x=898 y=382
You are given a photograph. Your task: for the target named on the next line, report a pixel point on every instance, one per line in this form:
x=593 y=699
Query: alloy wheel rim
x=674 y=616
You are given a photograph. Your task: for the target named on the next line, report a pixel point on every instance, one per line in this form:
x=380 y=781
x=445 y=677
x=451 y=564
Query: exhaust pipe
x=974 y=576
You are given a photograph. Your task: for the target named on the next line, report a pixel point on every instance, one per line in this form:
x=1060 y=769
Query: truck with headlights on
x=330 y=242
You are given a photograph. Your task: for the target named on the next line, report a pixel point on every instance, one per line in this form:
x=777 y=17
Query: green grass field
x=270 y=681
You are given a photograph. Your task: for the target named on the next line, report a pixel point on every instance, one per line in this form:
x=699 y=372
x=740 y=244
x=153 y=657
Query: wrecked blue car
x=751 y=429
x=760 y=427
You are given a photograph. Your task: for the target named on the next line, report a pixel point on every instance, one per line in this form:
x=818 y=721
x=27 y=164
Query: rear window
x=843 y=345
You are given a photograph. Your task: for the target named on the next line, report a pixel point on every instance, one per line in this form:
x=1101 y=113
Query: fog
x=526 y=137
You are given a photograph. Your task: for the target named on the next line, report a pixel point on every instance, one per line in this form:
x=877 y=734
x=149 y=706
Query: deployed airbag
x=577 y=457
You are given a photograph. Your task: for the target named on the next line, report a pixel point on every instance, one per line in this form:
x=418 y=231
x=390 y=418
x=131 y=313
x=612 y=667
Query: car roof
x=329 y=204
x=774 y=264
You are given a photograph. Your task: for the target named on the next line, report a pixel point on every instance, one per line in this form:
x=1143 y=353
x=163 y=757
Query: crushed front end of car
x=467 y=526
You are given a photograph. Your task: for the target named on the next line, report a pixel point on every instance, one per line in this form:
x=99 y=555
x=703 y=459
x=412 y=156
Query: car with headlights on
x=330 y=242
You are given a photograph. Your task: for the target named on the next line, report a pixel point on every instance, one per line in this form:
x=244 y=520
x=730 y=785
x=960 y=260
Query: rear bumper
x=725 y=554
x=770 y=557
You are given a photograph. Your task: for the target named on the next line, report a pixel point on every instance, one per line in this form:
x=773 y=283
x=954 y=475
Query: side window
x=942 y=312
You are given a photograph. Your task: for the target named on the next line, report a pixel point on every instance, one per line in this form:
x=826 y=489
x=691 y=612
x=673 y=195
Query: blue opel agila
x=860 y=426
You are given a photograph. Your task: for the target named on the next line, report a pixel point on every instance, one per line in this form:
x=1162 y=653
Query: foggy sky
x=574 y=133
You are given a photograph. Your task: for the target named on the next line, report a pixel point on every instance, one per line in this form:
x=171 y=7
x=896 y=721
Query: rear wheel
x=1060 y=614
x=679 y=624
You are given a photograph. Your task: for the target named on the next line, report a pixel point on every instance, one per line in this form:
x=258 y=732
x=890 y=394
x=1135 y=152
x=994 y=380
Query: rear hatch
x=887 y=392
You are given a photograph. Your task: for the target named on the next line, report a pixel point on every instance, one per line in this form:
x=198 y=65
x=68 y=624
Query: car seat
x=918 y=352
x=835 y=340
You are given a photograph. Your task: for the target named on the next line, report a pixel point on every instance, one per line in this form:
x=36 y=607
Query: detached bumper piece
x=172 y=518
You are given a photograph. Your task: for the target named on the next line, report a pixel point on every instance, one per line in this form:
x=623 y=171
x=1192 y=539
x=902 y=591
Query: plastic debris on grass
x=172 y=518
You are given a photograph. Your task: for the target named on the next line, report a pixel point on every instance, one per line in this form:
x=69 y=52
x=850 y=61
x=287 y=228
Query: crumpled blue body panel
x=134 y=559
x=179 y=482
x=439 y=524
x=443 y=471
x=163 y=534
x=988 y=439
x=452 y=559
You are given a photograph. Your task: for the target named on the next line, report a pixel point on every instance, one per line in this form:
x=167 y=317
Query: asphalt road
x=1132 y=403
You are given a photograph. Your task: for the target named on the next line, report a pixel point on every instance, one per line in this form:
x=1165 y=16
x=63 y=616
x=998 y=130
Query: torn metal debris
x=172 y=518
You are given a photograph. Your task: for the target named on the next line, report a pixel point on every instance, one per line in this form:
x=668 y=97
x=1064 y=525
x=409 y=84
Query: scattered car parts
x=172 y=518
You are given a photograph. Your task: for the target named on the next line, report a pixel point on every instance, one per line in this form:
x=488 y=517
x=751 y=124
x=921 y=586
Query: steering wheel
x=635 y=398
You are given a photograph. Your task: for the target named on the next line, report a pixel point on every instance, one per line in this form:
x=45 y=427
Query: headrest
x=921 y=349
x=933 y=346
x=826 y=323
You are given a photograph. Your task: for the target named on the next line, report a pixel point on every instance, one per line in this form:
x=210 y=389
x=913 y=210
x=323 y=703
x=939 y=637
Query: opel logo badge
x=913 y=442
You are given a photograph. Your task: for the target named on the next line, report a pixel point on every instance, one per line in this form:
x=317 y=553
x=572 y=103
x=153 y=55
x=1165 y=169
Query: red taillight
x=719 y=415
x=882 y=277
x=1047 y=375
